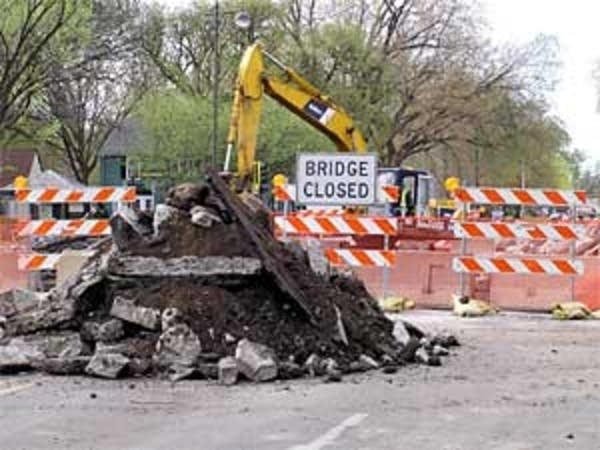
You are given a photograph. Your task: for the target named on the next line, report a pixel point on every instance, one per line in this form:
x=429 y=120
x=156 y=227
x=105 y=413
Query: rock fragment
x=368 y=362
x=108 y=331
x=177 y=352
x=256 y=361
x=63 y=365
x=228 y=371
x=400 y=333
x=421 y=356
x=18 y=356
x=127 y=310
x=107 y=365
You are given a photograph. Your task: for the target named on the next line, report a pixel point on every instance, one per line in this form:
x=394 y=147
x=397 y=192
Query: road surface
x=518 y=382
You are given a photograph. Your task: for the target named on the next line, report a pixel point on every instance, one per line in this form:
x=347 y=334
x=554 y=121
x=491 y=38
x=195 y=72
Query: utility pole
x=216 y=70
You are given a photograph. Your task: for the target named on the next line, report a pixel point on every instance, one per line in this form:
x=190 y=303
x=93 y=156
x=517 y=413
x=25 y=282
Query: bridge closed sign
x=336 y=179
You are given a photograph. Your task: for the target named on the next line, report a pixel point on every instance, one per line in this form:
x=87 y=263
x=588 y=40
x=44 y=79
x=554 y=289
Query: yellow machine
x=300 y=97
x=292 y=91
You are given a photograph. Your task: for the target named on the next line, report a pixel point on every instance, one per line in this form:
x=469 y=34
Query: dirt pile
x=197 y=285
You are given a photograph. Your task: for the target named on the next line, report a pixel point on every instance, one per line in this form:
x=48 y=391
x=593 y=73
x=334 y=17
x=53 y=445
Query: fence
x=344 y=225
x=28 y=261
x=477 y=264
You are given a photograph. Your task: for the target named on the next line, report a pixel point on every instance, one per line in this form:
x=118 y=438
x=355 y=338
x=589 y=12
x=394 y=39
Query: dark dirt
x=223 y=310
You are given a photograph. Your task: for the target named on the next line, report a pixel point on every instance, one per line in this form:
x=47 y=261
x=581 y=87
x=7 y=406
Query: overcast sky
x=576 y=24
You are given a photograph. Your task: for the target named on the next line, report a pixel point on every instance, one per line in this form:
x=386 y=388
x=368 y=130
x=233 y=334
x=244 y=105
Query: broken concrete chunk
x=127 y=310
x=423 y=357
x=401 y=333
x=177 y=346
x=228 y=371
x=18 y=356
x=107 y=365
x=368 y=362
x=163 y=214
x=54 y=314
x=171 y=317
x=439 y=350
x=18 y=301
x=203 y=217
x=256 y=361
x=63 y=366
x=314 y=365
x=108 y=331
x=184 y=266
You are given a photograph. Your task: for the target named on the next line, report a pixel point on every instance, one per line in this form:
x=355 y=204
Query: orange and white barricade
x=285 y=193
x=298 y=225
x=64 y=228
x=104 y=194
x=388 y=193
x=525 y=197
x=534 y=231
x=36 y=262
x=465 y=264
x=528 y=266
x=360 y=258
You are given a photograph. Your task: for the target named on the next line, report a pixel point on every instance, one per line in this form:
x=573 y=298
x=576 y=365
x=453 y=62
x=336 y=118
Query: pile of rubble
x=200 y=289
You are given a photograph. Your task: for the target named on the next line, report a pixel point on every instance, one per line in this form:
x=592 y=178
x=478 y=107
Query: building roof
x=48 y=178
x=14 y=163
x=123 y=138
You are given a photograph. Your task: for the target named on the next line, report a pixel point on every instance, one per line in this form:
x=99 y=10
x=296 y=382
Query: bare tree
x=27 y=30
x=415 y=73
x=86 y=103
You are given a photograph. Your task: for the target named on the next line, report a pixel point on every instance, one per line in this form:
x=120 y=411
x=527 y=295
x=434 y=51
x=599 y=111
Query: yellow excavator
x=305 y=100
x=293 y=92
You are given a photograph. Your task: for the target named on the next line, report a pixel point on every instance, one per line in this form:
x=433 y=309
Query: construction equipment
x=292 y=91
x=300 y=97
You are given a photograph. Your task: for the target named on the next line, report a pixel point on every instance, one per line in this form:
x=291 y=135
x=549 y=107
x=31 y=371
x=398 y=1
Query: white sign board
x=336 y=179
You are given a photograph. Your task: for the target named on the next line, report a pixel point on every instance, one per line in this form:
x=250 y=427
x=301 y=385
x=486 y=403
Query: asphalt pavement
x=518 y=382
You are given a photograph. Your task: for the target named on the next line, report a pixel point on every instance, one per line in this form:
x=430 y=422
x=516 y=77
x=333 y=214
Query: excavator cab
x=414 y=188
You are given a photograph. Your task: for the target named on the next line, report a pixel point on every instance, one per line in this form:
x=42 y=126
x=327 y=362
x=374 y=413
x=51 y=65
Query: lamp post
x=242 y=20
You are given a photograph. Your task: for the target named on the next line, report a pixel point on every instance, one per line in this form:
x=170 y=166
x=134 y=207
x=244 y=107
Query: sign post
x=348 y=179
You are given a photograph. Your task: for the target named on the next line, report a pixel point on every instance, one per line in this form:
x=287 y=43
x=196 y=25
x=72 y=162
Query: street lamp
x=243 y=21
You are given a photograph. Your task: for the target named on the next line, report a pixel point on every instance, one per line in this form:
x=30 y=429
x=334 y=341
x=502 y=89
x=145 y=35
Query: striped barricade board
x=525 y=197
x=78 y=227
x=388 y=193
x=360 y=258
x=497 y=230
x=84 y=195
x=536 y=266
x=336 y=225
x=320 y=212
x=36 y=262
x=285 y=193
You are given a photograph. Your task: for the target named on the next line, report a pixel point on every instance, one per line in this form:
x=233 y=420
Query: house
x=14 y=163
x=113 y=156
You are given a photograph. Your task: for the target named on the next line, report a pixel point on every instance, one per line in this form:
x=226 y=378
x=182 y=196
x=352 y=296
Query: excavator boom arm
x=292 y=91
